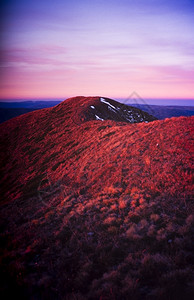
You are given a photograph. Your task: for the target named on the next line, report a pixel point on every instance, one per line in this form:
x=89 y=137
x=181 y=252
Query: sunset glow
x=59 y=49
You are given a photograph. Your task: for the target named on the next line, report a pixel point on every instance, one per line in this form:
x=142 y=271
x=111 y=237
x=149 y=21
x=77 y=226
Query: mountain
x=96 y=209
x=104 y=109
x=10 y=110
x=9 y=113
x=36 y=104
x=108 y=109
x=161 y=112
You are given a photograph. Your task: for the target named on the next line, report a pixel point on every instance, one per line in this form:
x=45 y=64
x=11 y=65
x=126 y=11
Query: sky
x=55 y=49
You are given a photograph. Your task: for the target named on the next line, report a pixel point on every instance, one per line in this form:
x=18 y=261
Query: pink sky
x=111 y=48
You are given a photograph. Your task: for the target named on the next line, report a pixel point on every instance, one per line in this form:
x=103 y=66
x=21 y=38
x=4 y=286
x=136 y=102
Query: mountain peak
x=102 y=108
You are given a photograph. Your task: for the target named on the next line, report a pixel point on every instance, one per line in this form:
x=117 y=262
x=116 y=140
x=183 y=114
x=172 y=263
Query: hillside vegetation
x=95 y=209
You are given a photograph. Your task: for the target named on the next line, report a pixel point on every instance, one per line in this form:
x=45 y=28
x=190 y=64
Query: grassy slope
x=96 y=210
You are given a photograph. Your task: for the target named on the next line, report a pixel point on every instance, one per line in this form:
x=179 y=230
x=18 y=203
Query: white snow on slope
x=104 y=101
x=98 y=118
x=110 y=108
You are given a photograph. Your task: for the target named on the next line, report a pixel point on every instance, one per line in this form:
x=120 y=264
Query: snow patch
x=98 y=118
x=110 y=108
x=130 y=119
x=104 y=101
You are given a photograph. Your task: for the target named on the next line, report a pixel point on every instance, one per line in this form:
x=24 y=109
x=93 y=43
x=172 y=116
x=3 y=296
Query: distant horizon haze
x=149 y=101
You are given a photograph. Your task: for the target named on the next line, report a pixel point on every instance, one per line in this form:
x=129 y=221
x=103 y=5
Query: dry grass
x=101 y=213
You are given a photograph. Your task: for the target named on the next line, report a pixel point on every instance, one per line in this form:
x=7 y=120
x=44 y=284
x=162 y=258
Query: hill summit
x=99 y=108
x=96 y=203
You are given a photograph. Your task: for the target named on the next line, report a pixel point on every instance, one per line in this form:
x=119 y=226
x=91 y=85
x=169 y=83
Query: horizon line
x=116 y=97
x=138 y=100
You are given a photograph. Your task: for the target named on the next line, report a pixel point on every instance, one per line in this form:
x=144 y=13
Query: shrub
x=132 y=232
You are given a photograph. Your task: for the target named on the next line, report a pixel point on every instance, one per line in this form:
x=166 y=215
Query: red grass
x=96 y=210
